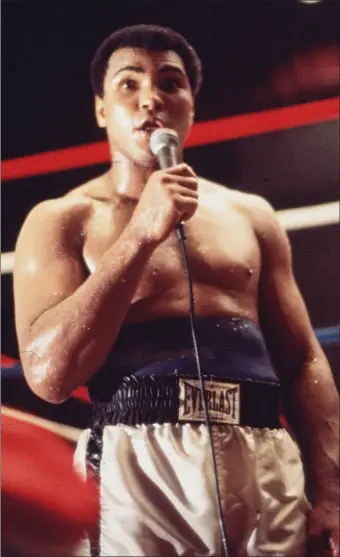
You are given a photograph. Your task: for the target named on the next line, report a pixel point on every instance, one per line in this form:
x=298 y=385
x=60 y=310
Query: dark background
x=256 y=55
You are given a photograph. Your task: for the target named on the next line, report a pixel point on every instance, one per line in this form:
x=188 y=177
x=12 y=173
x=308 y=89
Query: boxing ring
x=203 y=133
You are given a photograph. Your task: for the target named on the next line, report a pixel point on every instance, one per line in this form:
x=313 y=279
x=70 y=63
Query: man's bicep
x=283 y=314
x=47 y=270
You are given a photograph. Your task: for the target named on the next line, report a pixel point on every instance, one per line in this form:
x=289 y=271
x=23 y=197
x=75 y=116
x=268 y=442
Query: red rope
x=202 y=133
x=7 y=361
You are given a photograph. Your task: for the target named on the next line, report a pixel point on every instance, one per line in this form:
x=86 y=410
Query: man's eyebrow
x=163 y=69
x=173 y=68
x=137 y=69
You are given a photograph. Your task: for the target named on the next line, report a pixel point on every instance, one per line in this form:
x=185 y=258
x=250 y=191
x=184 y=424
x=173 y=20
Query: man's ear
x=192 y=111
x=192 y=116
x=100 y=111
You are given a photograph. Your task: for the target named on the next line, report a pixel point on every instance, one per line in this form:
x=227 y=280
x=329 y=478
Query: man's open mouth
x=148 y=127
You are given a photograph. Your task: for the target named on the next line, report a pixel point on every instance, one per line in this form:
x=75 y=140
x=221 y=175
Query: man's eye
x=129 y=84
x=171 y=85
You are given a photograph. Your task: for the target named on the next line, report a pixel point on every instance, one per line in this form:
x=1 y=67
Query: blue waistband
x=223 y=364
x=228 y=347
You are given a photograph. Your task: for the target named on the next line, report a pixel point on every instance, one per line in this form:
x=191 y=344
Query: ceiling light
x=310 y=1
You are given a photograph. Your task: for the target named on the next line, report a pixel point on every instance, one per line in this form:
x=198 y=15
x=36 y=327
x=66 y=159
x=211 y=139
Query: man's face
x=142 y=85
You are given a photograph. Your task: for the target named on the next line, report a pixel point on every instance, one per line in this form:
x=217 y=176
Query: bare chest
x=222 y=251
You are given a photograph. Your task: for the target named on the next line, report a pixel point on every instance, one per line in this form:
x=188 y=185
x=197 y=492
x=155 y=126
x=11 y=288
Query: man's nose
x=151 y=100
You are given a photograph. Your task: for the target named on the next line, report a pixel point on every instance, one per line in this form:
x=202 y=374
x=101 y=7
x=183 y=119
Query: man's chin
x=145 y=158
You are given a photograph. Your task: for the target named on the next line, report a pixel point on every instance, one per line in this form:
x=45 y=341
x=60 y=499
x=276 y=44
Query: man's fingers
x=181 y=169
x=184 y=190
x=185 y=206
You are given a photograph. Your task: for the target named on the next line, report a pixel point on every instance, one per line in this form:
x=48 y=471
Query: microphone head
x=162 y=137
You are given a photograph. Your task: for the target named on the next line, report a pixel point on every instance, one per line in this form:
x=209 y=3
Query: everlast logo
x=223 y=401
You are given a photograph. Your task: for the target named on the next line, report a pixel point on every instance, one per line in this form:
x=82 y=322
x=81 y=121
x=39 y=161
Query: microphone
x=164 y=145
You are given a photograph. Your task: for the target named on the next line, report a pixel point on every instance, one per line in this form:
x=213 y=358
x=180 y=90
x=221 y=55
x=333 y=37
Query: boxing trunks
x=148 y=446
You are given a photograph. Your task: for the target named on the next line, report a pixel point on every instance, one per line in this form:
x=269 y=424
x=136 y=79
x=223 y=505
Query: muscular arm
x=310 y=397
x=66 y=323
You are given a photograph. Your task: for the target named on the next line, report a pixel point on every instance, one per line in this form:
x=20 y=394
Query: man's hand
x=169 y=197
x=323 y=531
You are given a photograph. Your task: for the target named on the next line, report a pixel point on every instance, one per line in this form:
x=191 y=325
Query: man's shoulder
x=250 y=203
x=74 y=205
x=257 y=210
x=63 y=215
x=255 y=207
x=57 y=210
x=265 y=222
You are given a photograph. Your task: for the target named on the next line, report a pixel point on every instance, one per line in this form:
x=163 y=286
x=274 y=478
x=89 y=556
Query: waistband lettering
x=223 y=401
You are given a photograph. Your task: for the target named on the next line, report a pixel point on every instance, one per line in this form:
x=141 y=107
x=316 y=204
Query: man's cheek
x=120 y=116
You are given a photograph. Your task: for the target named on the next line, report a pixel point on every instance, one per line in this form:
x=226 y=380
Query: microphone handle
x=167 y=157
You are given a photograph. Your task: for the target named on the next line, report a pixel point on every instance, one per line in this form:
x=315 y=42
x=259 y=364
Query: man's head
x=145 y=37
x=144 y=72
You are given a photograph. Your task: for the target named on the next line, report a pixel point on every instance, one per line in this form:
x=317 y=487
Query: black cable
x=181 y=237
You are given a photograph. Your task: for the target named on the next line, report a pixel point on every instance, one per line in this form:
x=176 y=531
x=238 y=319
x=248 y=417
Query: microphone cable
x=164 y=145
x=181 y=237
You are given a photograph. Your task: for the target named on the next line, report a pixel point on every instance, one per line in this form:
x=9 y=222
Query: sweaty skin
x=225 y=268
x=107 y=254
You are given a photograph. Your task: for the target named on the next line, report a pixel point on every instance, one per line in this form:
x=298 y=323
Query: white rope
x=7 y=262
x=310 y=217
x=291 y=219
x=69 y=433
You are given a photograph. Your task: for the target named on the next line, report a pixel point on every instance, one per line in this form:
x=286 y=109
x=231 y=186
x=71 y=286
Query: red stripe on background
x=55 y=161
x=264 y=122
x=81 y=393
x=202 y=133
x=7 y=361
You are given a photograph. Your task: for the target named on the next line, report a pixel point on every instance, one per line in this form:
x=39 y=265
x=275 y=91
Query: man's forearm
x=312 y=409
x=70 y=341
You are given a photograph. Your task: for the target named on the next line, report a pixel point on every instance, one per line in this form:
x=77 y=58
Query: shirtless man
x=101 y=298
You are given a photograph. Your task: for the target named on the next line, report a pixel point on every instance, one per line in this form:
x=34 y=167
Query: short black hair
x=148 y=37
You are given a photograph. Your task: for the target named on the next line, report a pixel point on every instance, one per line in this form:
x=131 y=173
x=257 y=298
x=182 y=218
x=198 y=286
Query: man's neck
x=127 y=179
